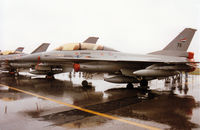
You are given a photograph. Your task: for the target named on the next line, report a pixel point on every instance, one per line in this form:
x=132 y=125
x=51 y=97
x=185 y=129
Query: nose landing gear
x=84 y=83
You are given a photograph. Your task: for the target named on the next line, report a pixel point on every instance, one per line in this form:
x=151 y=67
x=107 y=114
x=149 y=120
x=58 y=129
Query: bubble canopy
x=9 y=52
x=82 y=46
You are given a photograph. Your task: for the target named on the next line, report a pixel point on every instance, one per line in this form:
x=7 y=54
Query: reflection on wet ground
x=176 y=112
x=172 y=106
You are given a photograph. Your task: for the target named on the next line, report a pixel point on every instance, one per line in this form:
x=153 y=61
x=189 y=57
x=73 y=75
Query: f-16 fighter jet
x=17 y=51
x=124 y=68
x=9 y=55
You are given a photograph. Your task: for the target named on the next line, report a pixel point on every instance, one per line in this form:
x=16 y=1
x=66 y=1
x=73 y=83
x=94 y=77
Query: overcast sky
x=136 y=26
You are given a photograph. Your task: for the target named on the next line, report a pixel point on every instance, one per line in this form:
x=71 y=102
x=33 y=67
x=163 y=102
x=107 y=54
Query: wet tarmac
x=172 y=105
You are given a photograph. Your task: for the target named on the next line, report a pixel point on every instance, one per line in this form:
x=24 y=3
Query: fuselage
x=97 y=61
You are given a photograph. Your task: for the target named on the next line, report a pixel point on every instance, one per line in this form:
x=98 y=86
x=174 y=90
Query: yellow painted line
x=87 y=110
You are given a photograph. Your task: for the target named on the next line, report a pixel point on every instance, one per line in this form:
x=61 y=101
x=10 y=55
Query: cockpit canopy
x=82 y=46
x=9 y=52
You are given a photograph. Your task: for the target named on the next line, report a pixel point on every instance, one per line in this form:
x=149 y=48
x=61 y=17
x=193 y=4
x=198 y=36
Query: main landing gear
x=143 y=85
x=129 y=86
x=85 y=84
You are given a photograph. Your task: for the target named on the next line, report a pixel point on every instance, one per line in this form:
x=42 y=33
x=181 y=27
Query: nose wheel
x=84 y=83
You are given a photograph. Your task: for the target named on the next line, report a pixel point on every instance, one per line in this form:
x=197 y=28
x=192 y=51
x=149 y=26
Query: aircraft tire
x=143 y=83
x=84 y=83
x=129 y=86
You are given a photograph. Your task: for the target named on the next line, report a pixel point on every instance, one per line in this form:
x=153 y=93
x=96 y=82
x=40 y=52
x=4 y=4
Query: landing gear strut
x=13 y=72
x=144 y=84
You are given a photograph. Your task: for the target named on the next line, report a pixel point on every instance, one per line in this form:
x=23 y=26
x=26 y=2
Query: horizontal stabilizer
x=91 y=40
x=41 y=48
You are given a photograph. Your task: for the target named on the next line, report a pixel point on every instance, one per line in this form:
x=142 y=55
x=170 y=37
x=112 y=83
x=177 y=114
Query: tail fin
x=179 y=45
x=91 y=40
x=182 y=41
x=42 y=48
x=19 y=49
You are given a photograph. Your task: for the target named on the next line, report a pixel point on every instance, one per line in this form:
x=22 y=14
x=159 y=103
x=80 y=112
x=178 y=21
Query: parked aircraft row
x=90 y=57
x=9 y=55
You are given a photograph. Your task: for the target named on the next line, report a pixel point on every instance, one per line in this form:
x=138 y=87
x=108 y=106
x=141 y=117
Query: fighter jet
x=45 y=68
x=18 y=50
x=123 y=67
x=9 y=55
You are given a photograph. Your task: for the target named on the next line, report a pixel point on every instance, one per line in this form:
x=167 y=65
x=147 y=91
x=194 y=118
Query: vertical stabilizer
x=41 y=48
x=182 y=41
x=19 y=49
x=179 y=45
